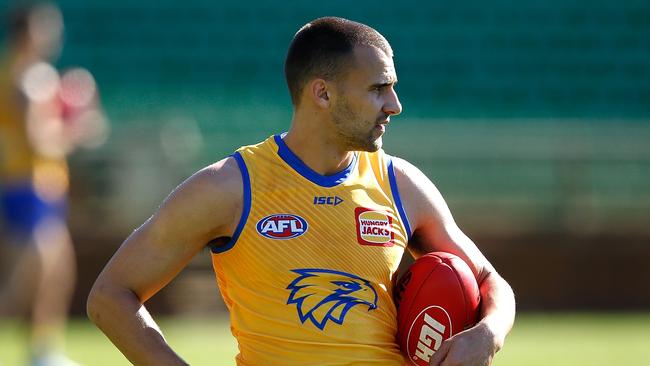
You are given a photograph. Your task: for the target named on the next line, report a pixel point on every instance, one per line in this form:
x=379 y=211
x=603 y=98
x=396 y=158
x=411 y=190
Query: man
x=306 y=228
x=44 y=117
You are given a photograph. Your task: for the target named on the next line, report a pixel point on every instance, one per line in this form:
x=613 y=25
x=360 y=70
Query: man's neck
x=319 y=150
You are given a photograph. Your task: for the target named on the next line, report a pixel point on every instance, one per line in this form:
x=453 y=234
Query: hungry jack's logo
x=374 y=227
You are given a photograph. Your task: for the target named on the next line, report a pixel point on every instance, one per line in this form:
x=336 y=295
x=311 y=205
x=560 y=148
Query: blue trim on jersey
x=246 y=208
x=398 y=200
x=299 y=166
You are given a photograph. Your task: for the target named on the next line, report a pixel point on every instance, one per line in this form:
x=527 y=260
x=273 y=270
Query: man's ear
x=319 y=93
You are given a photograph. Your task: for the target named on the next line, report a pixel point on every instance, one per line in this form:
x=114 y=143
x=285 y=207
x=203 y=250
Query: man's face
x=364 y=99
x=45 y=31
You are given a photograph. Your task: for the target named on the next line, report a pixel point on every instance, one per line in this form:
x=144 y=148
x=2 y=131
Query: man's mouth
x=383 y=121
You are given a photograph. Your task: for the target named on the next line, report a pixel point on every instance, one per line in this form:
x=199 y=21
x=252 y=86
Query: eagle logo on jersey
x=323 y=294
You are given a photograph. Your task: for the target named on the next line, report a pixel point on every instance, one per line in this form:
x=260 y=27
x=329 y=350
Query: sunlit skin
x=365 y=99
x=347 y=114
x=333 y=119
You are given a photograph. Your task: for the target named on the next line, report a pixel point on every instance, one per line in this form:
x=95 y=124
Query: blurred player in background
x=306 y=229
x=45 y=115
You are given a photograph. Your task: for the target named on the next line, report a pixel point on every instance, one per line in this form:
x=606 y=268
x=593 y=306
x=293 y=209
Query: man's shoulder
x=403 y=168
x=223 y=175
x=227 y=174
x=268 y=144
x=216 y=185
x=412 y=182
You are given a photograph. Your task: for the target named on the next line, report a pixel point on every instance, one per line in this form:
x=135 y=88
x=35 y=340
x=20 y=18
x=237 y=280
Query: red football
x=436 y=298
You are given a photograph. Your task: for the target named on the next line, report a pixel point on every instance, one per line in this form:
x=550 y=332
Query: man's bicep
x=434 y=228
x=200 y=209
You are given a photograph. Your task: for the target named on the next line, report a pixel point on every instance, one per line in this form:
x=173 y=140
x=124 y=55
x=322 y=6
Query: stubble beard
x=350 y=129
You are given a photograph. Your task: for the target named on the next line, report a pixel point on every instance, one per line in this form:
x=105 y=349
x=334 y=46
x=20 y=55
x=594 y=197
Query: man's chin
x=374 y=145
x=370 y=145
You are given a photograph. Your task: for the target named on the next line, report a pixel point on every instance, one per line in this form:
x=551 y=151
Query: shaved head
x=323 y=48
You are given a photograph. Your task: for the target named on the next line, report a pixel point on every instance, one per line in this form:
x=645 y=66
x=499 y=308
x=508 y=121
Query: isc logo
x=430 y=336
x=327 y=200
x=281 y=226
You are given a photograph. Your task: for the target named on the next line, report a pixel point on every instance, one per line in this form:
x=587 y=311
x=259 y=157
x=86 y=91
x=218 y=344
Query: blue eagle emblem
x=323 y=294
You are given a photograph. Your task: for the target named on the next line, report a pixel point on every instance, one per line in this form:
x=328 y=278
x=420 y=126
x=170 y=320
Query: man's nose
x=392 y=106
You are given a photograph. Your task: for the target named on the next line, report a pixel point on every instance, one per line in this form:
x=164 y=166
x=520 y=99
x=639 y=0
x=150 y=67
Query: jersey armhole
x=398 y=201
x=246 y=208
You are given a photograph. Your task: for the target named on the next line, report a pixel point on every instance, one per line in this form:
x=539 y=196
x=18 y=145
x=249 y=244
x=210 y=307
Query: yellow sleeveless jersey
x=16 y=154
x=19 y=160
x=307 y=275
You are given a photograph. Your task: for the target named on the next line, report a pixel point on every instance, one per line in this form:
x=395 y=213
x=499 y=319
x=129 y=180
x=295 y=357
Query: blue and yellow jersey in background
x=307 y=276
x=33 y=186
x=20 y=160
x=16 y=155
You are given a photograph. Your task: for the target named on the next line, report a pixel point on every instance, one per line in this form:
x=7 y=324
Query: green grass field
x=537 y=339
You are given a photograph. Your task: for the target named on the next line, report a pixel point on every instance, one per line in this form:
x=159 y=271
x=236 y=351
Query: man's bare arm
x=434 y=229
x=206 y=206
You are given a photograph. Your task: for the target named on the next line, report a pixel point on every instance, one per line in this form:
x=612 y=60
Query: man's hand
x=434 y=230
x=208 y=205
x=473 y=347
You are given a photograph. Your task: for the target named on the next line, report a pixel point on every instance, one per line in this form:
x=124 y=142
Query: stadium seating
x=542 y=107
x=536 y=59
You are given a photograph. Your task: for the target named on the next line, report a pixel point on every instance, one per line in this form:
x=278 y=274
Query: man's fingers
x=441 y=353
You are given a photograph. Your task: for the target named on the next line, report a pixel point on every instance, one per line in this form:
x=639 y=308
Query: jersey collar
x=301 y=168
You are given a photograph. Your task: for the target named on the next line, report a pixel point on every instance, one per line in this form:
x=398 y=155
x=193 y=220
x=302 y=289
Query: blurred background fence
x=533 y=118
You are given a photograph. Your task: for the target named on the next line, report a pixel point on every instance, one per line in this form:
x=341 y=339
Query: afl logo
x=282 y=226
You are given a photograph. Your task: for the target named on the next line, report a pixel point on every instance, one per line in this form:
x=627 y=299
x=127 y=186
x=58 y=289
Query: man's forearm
x=127 y=323
x=497 y=306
